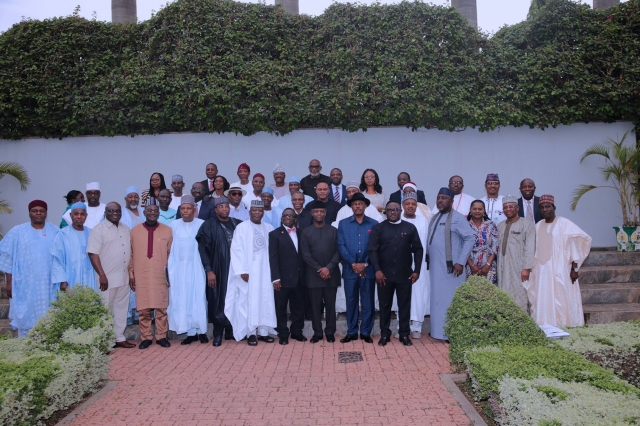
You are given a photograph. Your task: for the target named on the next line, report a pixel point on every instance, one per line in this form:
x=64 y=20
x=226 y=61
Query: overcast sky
x=492 y=14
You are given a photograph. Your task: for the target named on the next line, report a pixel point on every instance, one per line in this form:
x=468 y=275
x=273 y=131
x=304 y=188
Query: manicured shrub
x=487 y=366
x=545 y=401
x=483 y=315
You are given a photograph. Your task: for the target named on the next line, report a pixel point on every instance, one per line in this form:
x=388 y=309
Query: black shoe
x=406 y=341
x=299 y=338
x=283 y=340
x=367 y=339
x=331 y=338
x=315 y=339
x=383 y=341
x=348 y=338
x=217 y=340
x=203 y=338
x=189 y=340
x=163 y=342
x=145 y=344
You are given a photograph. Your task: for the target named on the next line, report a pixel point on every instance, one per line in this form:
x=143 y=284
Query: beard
x=132 y=206
x=315 y=174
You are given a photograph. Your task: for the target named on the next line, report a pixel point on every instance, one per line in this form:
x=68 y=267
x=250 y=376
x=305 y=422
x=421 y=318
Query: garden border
x=69 y=418
x=449 y=381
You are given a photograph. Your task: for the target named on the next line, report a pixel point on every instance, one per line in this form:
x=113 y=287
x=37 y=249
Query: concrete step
x=3 y=287
x=5 y=328
x=610 y=312
x=610 y=293
x=4 y=309
x=132 y=332
x=612 y=258
x=609 y=274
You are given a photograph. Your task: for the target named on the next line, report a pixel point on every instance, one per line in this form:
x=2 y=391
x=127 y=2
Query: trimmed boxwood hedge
x=223 y=66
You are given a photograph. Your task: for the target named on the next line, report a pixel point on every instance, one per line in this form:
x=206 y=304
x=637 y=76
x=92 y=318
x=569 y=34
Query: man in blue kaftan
x=25 y=259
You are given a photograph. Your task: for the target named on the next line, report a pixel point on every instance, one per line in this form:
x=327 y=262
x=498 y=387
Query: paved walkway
x=297 y=384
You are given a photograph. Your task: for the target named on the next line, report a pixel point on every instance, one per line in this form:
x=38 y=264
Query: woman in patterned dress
x=482 y=260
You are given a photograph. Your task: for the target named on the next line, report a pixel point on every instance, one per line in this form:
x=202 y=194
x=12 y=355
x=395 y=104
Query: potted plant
x=621 y=170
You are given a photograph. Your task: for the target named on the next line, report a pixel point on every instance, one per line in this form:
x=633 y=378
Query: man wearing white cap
x=95 y=209
x=284 y=202
x=280 y=186
x=132 y=214
x=177 y=184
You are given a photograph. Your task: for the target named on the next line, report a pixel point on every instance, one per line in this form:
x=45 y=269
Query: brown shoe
x=126 y=344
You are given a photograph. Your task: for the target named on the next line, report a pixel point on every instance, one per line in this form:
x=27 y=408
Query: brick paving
x=297 y=384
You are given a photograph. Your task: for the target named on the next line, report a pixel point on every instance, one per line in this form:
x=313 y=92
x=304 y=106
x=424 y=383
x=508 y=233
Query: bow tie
x=290 y=230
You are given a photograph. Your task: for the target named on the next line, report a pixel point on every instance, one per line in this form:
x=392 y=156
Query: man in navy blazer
x=336 y=184
x=206 y=209
x=286 y=266
x=403 y=178
x=529 y=200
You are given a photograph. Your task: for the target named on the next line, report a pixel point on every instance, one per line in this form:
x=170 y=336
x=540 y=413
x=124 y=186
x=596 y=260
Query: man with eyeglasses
x=493 y=201
x=394 y=245
x=517 y=237
x=308 y=183
x=237 y=208
x=109 y=249
x=461 y=201
x=204 y=206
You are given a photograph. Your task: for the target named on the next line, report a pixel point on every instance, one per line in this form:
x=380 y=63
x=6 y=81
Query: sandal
x=252 y=341
x=266 y=339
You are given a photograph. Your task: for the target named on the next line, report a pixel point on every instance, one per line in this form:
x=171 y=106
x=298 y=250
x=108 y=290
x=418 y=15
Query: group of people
x=249 y=258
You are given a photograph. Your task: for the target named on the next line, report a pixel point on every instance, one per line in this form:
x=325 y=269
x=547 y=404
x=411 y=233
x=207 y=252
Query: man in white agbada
x=493 y=201
x=553 y=289
x=95 y=209
x=461 y=201
x=420 y=291
x=353 y=187
x=249 y=304
x=70 y=262
x=422 y=210
x=187 y=309
x=132 y=214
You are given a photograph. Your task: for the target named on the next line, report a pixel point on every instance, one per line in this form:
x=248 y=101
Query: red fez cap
x=38 y=203
x=258 y=175
x=244 y=166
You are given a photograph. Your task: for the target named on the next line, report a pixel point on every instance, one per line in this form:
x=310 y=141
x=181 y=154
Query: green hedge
x=482 y=315
x=221 y=66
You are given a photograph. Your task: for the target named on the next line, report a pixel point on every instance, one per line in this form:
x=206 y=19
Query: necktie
x=196 y=213
x=530 y=212
x=210 y=186
x=336 y=196
x=290 y=230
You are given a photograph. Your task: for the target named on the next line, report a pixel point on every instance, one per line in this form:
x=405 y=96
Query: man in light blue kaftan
x=25 y=259
x=70 y=262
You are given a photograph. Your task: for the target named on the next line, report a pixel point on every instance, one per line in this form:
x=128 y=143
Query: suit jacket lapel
x=285 y=235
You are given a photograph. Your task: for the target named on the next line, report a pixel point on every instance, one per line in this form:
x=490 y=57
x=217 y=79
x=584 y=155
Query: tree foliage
x=222 y=66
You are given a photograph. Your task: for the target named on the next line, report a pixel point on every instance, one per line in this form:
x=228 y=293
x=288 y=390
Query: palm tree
x=621 y=169
x=605 y=4
x=18 y=172
x=290 y=6
x=123 y=11
x=468 y=9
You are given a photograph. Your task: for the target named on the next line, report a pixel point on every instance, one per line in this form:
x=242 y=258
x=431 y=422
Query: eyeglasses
x=288 y=215
x=509 y=207
x=314 y=167
x=455 y=182
x=196 y=189
x=397 y=209
x=235 y=194
x=114 y=211
x=492 y=183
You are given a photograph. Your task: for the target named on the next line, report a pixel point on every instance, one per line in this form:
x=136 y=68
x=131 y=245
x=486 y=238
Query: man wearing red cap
x=243 y=173
x=553 y=289
x=26 y=261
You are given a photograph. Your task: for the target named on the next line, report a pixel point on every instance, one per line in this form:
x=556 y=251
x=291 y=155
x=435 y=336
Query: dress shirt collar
x=396 y=223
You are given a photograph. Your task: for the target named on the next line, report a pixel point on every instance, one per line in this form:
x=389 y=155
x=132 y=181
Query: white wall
x=550 y=157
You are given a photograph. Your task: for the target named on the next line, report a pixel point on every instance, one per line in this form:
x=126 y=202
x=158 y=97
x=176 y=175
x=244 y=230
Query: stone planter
x=628 y=238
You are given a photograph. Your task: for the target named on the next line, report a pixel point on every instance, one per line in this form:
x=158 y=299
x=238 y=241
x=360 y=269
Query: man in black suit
x=337 y=189
x=330 y=206
x=212 y=172
x=286 y=273
x=206 y=209
x=529 y=204
x=396 y=197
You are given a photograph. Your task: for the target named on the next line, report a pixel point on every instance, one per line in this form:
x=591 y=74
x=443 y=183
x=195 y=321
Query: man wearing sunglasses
x=237 y=208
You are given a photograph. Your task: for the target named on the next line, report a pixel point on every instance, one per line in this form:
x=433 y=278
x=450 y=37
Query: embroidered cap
x=258 y=204
x=492 y=177
x=547 y=198
x=509 y=199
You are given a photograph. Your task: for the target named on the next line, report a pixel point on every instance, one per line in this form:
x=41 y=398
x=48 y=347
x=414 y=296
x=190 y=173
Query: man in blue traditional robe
x=70 y=261
x=26 y=262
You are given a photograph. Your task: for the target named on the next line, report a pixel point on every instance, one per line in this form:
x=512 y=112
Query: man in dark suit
x=319 y=250
x=286 y=273
x=337 y=189
x=206 y=209
x=212 y=172
x=331 y=207
x=309 y=182
x=403 y=178
x=529 y=204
